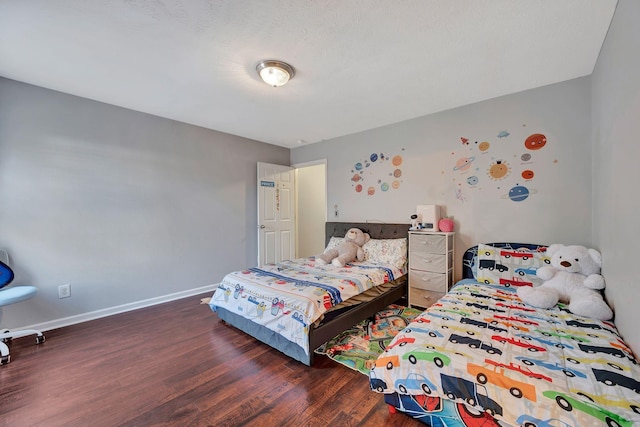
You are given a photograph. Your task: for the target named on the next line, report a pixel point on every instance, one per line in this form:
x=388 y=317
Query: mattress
x=481 y=351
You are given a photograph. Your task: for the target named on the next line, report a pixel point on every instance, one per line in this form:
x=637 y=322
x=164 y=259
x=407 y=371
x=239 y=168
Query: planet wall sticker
x=519 y=193
x=535 y=141
x=527 y=174
x=470 y=165
x=377 y=172
x=463 y=164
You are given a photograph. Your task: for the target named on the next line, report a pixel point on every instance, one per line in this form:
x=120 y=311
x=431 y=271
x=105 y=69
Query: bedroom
x=69 y=216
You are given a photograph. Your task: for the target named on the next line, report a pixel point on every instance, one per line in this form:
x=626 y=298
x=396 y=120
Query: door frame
x=297 y=208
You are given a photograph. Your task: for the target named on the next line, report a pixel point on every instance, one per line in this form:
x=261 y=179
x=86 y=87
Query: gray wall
x=557 y=210
x=616 y=174
x=122 y=205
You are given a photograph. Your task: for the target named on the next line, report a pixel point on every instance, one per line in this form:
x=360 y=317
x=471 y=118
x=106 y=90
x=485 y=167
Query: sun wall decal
x=499 y=170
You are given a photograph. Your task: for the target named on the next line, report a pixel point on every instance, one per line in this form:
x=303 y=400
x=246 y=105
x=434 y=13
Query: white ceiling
x=360 y=64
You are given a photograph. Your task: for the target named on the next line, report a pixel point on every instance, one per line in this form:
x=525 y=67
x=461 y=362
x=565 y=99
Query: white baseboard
x=85 y=317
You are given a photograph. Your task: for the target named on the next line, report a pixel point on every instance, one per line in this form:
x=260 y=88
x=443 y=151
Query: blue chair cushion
x=15 y=294
x=6 y=274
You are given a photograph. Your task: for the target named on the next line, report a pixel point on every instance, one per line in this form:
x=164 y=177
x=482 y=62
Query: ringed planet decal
x=519 y=193
x=463 y=164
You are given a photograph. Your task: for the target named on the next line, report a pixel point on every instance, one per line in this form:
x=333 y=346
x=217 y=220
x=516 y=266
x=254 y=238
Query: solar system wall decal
x=504 y=163
x=378 y=173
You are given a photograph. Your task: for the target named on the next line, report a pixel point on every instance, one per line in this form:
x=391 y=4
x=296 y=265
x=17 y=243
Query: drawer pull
x=427 y=261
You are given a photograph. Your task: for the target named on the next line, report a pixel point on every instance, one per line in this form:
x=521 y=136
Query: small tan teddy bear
x=347 y=251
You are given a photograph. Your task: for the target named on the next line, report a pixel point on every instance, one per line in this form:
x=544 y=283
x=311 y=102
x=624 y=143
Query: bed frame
x=441 y=411
x=346 y=318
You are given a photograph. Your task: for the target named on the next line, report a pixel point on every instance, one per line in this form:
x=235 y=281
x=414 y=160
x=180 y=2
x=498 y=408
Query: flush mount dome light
x=275 y=73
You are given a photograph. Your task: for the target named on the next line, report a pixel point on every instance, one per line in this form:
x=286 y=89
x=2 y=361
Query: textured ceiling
x=360 y=64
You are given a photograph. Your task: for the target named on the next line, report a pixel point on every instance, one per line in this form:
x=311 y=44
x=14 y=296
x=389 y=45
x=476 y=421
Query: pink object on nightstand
x=446 y=225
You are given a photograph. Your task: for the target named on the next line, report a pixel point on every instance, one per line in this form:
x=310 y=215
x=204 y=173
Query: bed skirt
x=266 y=335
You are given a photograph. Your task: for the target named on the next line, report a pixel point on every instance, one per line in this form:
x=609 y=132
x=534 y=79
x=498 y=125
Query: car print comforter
x=289 y=296
x=480 y=353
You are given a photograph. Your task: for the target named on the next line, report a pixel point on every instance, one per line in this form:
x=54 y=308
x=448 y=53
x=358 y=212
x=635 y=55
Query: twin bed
x=480 y=357
x=296 y=306
x=477 y=357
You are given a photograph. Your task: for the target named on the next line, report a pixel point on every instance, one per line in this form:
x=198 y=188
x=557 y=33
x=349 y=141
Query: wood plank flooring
x=177 y=364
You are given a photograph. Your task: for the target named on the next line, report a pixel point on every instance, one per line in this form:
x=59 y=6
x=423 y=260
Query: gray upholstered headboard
x=375 y=230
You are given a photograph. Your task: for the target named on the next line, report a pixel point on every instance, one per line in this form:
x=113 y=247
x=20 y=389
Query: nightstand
x=430 y=266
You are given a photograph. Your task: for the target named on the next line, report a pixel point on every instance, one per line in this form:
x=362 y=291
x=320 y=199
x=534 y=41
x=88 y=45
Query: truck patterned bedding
x=482 y=357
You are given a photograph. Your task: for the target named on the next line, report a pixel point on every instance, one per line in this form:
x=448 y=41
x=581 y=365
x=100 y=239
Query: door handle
x=261 y=226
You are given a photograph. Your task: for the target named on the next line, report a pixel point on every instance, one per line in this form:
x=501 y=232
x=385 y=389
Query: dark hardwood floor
x=177 y=364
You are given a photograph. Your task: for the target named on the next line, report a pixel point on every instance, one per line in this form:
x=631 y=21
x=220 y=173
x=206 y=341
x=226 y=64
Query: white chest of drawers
x=430 y=266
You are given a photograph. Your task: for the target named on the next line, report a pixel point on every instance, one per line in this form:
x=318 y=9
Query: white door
x=276 y=219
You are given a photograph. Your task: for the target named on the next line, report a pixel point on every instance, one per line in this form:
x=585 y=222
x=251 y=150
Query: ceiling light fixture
x=275 y=73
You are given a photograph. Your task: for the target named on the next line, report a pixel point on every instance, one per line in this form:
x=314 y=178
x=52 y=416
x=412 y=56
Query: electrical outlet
x=64 y=291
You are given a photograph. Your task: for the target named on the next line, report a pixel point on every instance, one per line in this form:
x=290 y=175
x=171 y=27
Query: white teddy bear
x=573 y=278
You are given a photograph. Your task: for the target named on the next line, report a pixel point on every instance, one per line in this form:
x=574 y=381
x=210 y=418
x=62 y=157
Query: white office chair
x=11 y=295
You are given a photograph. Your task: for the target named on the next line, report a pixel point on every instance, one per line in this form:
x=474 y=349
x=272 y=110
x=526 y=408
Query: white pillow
x=386 y=251
x=333 y=242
